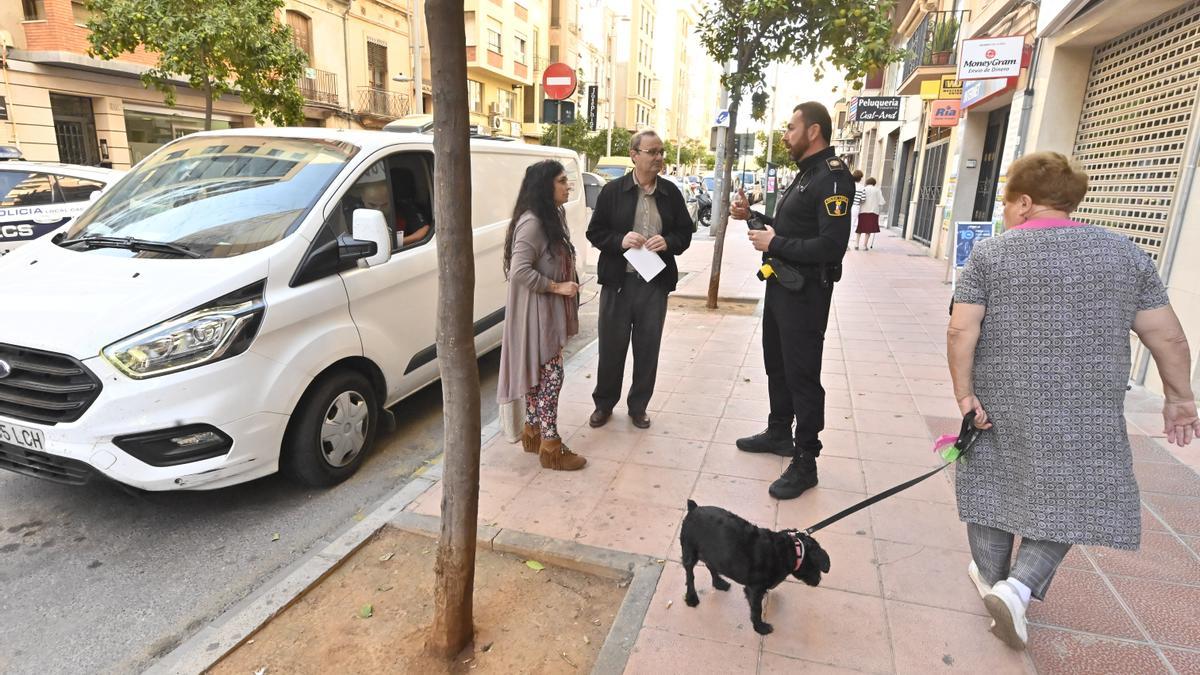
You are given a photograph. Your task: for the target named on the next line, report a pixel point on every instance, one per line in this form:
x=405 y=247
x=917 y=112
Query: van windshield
x=613 y=172
x=215 y=197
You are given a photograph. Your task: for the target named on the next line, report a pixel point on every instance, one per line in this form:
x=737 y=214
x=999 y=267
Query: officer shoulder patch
x=837 y=205
x=835 y=164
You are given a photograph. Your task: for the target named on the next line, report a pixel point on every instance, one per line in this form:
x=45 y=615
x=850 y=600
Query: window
x=21 y=188
x=472 y=30
x=494 y=38
x=507 y=104
x=522 y=46
x=301 y=32
x=34 y=10
x=80 y=12
x=475 y=96
x=73 y=189
x=377 y=64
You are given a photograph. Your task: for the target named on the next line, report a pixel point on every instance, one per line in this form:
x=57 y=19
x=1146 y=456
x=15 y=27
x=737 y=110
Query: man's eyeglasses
x=653 y=153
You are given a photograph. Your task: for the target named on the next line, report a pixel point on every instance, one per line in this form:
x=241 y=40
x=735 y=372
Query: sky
x=795 y=84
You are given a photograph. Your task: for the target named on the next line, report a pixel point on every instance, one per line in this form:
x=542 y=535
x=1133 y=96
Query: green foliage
x=945 y=35
x=779 y=154
x=219 y=46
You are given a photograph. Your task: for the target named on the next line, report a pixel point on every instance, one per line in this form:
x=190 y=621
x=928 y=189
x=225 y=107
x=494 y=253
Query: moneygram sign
x=877 y=109
x=989 y=58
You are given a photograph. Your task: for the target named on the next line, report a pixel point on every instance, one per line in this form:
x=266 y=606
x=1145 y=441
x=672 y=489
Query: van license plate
x=22 y=437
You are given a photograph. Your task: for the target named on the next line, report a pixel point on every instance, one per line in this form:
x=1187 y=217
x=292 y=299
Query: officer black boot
x=800 y=475
x=771 y=440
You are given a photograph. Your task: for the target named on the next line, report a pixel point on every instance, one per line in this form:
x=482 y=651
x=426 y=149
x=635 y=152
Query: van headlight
x=217 y=330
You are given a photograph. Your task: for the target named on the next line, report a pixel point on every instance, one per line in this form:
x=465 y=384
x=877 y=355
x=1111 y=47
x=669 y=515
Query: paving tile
x=873 y=369
x=838 y=442
x=681 y=426
x=820 y=503
x=1151 y=522
x=721 y=616
x=938 y=406
x=894 y=424
x=1162 y=557
x=1164 y=609
x=908 y=569
x=841 y=419
x=1081 y=601
x=914 y=522
x=747 y=391
x=1077 y=560
x=634 y=526
x=550 y=513
x=1150 y=423
x=694 y=403
x=729 y=430
x=909 y=450
x=604 y=443
x=1171 y=479
x=841 y=473
x=920 y=358
x=704 y=386
x=593 y=480
x=746 y=409
x=882 y=475
x=882 y=385
x=1056 y=652
x=888 y=403
x=712 y=371
x=834 y=380
x=672 y=453
x=839 y=398
x=1183 y=661
x=778 y=664
x=727 y=460
x=820 y=623
x=1146 y=449
x=1181 y=513
x=652 y=485
x=930 y=639
x=660 y=652
x=746 y=497
x=510 y=464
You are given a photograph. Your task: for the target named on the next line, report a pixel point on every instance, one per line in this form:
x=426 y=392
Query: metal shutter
x=1133 y=130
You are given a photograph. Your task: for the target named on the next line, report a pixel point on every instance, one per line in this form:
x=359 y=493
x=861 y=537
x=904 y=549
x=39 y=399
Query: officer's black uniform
x=812 y=228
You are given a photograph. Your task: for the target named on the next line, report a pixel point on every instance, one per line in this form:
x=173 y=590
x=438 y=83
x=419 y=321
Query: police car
x=36 y=199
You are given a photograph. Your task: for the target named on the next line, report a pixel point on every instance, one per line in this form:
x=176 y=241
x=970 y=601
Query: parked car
x=689 y=198
x=614 y=167
x=592 y=184
x=37 y=199
x=243 y=302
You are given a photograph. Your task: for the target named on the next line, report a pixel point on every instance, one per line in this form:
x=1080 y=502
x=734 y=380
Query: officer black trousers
x=635 y=313
x=794 y=325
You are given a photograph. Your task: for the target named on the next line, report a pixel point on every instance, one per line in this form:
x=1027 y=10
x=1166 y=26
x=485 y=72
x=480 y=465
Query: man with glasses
x=640 y=210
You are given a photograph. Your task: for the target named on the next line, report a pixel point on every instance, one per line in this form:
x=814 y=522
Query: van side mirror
x=368 y=228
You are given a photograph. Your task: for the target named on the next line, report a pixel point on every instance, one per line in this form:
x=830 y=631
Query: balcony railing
x=935 y=42
x=322 y=87
x=382 y=103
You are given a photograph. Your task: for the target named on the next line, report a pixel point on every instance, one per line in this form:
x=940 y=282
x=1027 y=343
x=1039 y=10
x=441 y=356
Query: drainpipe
x=346 y=54
x=417 y=70
x=1027 y=100
x=12 y=122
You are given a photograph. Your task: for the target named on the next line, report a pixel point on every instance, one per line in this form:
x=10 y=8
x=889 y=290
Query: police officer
x=802 y=250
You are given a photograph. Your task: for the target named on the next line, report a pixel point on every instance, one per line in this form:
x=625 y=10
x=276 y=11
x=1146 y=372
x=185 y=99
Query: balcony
x=321 y=88
x=382 y=103
x=932 y=50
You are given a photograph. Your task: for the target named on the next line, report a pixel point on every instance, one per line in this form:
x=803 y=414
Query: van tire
x=317 y=454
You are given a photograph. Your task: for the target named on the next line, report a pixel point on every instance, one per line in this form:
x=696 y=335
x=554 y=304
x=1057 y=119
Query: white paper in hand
x=646 y=263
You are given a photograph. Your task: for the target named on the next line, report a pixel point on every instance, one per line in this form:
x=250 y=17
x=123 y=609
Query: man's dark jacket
x=616 y=208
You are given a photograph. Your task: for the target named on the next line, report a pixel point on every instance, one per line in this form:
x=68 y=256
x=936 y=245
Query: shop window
x=34 y=10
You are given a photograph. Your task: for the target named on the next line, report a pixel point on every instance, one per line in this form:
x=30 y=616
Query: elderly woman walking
x=1038 y=347
x=542 y=311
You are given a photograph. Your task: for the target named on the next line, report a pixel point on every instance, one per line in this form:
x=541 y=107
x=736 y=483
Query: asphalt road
x=99 y=579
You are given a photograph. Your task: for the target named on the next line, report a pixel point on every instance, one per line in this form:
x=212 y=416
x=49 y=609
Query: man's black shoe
x=800 y=475
x=599 y=418
x=640 y=420
x=768 y=441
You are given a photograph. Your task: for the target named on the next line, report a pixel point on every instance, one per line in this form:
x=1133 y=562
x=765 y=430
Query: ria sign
x=989 y=58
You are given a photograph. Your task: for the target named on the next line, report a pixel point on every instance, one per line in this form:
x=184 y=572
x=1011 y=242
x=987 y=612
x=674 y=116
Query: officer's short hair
x=815 y=113
x=635 y=143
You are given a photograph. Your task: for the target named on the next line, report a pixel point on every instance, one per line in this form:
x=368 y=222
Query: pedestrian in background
x=1038 y=347
x=541 y=312
x=856 y=204
x=804 y=243
x=639 y=210
x=868 y=217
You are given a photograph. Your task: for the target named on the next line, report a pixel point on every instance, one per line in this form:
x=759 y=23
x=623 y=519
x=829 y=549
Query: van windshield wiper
x=131 y=244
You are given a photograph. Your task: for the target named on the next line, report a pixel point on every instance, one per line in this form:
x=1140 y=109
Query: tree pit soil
x=526 y=621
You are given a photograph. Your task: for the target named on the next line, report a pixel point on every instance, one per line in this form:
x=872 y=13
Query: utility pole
x=771 y=118
x=418 y=71
x=718 y=172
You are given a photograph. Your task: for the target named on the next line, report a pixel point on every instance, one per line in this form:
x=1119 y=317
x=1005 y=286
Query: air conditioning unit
x=497 y=122
x=494 y=108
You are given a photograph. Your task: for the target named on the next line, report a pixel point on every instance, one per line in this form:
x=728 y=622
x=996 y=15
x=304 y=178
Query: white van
x=243 y=302
x=36 y=199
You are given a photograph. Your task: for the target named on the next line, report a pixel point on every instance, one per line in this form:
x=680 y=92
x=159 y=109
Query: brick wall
x=59 y=33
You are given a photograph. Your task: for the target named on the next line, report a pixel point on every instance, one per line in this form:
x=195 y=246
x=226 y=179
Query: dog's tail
x=691 y=506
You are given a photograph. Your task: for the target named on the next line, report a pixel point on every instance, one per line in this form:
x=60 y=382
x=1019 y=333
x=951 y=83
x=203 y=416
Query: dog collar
x=799 y=550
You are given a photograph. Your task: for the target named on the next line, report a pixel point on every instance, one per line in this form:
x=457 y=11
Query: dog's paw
x=691 y=599
x=763 y=628
x=720 y=584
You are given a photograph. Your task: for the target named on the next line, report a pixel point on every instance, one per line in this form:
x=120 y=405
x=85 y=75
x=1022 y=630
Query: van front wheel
x=331 y=431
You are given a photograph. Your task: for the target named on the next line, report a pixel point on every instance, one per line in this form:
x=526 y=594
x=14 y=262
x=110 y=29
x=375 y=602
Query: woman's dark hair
x=870 y=181
x=537 y=197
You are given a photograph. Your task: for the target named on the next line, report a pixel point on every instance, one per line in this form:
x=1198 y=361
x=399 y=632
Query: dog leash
x=967 y=436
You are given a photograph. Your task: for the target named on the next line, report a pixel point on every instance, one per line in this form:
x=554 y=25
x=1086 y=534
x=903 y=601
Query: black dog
x=755 y=557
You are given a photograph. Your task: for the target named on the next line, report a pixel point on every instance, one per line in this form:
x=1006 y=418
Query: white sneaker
x=980 y=584
x=1004 y=604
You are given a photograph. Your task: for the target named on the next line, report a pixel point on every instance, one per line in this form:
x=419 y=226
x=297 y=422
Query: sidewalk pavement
x=897 y=598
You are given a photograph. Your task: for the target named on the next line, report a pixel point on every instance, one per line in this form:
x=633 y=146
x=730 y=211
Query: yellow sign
x=837 y=205
x=951 y=88
x=931 y=90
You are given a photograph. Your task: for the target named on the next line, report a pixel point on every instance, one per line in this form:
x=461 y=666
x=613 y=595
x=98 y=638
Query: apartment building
x=507 y=43
x=636 y=78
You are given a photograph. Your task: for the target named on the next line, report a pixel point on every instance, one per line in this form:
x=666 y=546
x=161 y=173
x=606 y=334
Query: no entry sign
x=559 y=81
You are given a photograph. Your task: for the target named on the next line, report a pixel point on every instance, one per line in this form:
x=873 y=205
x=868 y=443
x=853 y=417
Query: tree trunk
x=455 y=567
x=721 y=213
x=208 y=105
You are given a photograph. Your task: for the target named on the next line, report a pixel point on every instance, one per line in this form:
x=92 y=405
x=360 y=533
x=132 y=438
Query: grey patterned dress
x=1051 y=368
